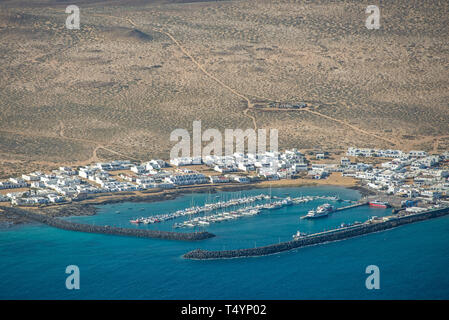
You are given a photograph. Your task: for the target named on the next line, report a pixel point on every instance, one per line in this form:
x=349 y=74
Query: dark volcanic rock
x=140 y=233
x=338 y=234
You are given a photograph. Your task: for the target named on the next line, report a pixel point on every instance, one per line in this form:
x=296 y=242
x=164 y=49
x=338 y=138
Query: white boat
x=321 y=211
x=287 y=201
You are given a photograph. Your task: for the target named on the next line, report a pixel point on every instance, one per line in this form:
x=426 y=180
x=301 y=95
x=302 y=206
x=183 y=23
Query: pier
x=197 y=210
x=352 y=206
x=139 y=233
x=318 y=238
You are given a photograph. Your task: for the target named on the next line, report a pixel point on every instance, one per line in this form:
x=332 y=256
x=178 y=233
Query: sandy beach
x=88 y=205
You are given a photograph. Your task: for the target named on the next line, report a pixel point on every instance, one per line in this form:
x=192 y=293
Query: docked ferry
x=321 y=211
x=379 y=204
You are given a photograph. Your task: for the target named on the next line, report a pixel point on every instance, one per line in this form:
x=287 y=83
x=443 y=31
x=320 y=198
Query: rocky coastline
x=108 y=230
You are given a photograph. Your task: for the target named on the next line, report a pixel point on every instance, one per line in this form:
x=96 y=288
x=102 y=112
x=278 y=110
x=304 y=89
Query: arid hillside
x=137 y=70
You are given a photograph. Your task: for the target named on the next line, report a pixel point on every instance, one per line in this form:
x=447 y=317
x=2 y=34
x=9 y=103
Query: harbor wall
x=318 y=238
x=140 y=233
x=352 y=206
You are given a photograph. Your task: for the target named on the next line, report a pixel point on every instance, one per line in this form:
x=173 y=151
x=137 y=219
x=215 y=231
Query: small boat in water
x=379 y=204
x=321 y=211
x=313 y=214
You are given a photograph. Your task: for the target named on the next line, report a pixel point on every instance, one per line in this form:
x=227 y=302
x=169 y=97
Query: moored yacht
x=321 y=211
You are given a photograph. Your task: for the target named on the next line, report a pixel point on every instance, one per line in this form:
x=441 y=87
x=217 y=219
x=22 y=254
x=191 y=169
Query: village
x=415 y=176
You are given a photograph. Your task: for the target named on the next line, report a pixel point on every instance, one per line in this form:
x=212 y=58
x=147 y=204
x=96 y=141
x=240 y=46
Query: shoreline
x=88 y=207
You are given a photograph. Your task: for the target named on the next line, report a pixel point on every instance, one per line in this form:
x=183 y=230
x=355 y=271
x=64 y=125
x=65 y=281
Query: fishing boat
x=379 y=204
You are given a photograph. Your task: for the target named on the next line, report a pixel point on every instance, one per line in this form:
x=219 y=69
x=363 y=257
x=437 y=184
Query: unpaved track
x=351 y=126
x=202 y=69
x=93 y=158
x=435 y=140
x=250 y=105
x=197 y=64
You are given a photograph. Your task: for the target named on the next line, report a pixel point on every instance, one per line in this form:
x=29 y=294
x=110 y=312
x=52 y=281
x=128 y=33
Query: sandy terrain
x=137 y=70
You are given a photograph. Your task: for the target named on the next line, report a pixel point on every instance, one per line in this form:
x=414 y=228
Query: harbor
x=234 y=214
x=199 y=209
x=301 y=240
x=146 y=260
x=239 y=208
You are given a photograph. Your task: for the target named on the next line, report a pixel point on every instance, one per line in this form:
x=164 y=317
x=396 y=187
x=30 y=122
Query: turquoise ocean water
x=413 y=259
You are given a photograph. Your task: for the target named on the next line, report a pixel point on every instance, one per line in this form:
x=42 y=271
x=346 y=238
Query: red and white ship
x=379 y=204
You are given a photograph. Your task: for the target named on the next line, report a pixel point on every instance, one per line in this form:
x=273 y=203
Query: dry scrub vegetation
x=117 y=87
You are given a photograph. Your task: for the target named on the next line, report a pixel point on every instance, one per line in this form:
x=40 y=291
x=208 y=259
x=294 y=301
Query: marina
x=149 y=149
x=234 y=214
x=345 y=231
x=240 y=208
x=197 y=210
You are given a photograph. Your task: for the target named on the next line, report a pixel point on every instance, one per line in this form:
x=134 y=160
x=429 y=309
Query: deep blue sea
x=413 y=259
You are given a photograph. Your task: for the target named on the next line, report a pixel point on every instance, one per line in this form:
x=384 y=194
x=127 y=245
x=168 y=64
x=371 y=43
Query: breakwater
x=318 y=238
x=140 y=233
x=352 y=206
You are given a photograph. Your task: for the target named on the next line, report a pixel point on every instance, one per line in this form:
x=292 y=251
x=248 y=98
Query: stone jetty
x=140 y=233
x=355 y=205
x=318 y=238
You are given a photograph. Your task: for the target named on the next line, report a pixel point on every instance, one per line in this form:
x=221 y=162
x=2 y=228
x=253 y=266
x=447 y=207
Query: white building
x=187 y=179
